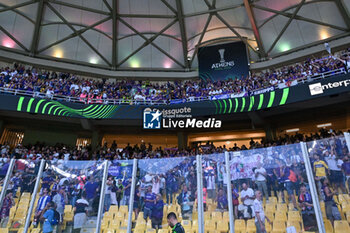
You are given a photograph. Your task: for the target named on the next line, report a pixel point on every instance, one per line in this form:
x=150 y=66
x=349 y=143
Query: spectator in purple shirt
x=222 y=200
x=157 y=212
x=90 y=188
x=150 y=200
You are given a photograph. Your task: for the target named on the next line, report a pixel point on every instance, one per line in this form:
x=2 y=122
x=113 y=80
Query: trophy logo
x=221 y=52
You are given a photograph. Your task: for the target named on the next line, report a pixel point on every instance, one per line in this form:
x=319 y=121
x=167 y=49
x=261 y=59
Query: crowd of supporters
x=61 y=153
x=48 y=84
x=275 y=173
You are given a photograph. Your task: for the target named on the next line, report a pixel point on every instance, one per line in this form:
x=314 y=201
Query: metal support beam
x=201 y=38
x=79 y=7
x=181 y=20
x=7 y=180
x=147 y=16
x=229 y=192
x=313 y=190
x=132 y=194
x=8 y=8
x=35 y=39
x=298 y=17
x=286 y=25
x=343 y=12
x=107 y=5
x=35 y=192
x=170 y=6
x=225 y=8
x=79 y=25
x=114 y=34
x=235 y=32
x=149 y=41
x=102 y=196
x=251 y=17
x=200 y=195
x=76 y=32
x=13 y=38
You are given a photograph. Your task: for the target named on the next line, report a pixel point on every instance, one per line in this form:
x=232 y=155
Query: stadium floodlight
x=324 y=125
x=292 y=130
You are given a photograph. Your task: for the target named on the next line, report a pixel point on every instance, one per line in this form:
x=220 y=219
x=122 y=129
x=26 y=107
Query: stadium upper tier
x=45 y=84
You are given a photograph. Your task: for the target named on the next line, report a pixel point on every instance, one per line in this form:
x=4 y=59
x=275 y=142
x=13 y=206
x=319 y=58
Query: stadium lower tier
x=291 y=187
x=115 y=220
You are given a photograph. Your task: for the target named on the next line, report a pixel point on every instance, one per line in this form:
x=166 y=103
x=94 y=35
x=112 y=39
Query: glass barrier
x=4 y=165
x=273 y=179
x=215 y=201
x=164 y=186
x=330 y=163
x=15 y=205
x=68 y=197
x=117 y=195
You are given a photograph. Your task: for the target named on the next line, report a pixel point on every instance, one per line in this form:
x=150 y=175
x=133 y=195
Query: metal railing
x=36 y=94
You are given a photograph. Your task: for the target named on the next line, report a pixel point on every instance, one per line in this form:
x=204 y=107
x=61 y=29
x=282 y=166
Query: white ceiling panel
x=150 y=17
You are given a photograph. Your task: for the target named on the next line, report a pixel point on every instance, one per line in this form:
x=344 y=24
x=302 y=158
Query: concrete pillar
x=96 y=139
x=182 y=139
x=2 y=127
x=270 y=132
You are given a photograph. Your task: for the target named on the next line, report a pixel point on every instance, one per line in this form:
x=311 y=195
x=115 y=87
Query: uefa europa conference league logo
x=223 y=64
x=318 y=88
x=175 y=118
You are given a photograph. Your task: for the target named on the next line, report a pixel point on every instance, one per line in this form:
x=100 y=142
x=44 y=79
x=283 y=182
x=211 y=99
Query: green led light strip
x=51 y=107
x=284 y=96
x=272 y=98
x=243 y=104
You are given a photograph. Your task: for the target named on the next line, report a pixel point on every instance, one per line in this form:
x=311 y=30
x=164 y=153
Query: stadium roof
x=164 y=34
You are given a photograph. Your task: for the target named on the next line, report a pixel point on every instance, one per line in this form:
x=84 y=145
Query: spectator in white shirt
x=259 y=213
x=260 y=180
x=247 y=198
x=334 y=164
x=49 y=93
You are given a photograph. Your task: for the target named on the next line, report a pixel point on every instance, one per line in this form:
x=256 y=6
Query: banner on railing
x=262 y=91
x=278 y=97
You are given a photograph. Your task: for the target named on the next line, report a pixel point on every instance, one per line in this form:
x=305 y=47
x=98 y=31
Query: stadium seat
x=68 y=208
x=151 y=230
x=280 y=216
x=222 y=226
x=109 y=231
x=270 y=207
x=341 y=226
x=113 y=209
x=273 y=200
x=294 y=216
x=251 y=228
x=281 y=207
x=217 y=216
x=138 y=230
x=35 y=230
x=240 y=226
x=268 y=226
x=328 y=225
x=114 y=224
x=123 y=208
x=296 y=224
x=279 y=226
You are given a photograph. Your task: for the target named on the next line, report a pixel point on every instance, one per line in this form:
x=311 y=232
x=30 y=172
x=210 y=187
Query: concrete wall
x=49 y=137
